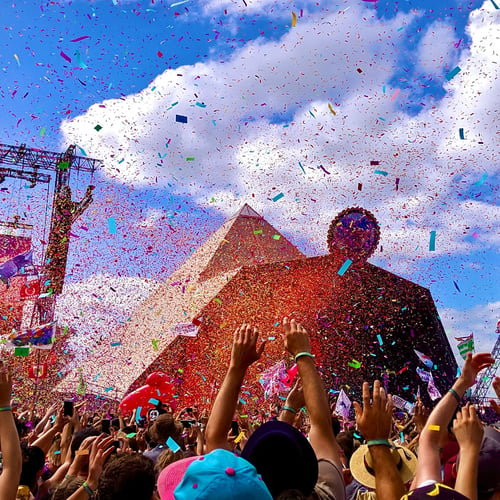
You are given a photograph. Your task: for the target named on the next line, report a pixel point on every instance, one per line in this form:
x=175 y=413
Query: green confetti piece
x=97 y=127
x=276 y=236
x=22 y=351
x=354 y=364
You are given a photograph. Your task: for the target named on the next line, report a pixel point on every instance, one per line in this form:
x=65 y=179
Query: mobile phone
x=186 y=423
x=235 y=430
x=68 y=408
x=189 y=410
x=105 y=424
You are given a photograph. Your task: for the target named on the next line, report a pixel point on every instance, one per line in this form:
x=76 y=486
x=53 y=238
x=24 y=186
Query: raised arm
x=9 y=439
x=468 y=430
x=321 y=435
x=374 y=421
x=435 y=430
x=243 y=354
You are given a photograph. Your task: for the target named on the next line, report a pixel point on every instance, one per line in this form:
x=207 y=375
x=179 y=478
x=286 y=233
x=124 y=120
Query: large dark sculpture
x=364 y=322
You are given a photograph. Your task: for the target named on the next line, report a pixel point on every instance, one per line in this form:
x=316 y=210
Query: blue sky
x=267 y=105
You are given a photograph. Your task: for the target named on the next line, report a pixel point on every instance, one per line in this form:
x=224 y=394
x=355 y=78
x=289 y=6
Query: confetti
x=180 y=118
x=461 y=133
x=80 y=38
x=278 y=197
x=112 y=225
x=173 y=445
x=432 y=242
x=345 y=267
x=294 y=19
x=332 y=111
x=380 y=172
x=64 y=56
x=433 y=427
x=453 y=73
x=395 y=94
x=354 y=364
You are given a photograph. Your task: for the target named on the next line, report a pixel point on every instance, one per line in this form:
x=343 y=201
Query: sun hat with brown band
x=361 y=464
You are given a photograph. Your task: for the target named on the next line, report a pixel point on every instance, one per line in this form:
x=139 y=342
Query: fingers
x=358 y=411
x=366 y=395
x=376 y=393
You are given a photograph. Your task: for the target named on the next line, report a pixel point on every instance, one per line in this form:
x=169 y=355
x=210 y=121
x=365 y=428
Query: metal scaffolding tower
x=29 y=164
x=479 y=396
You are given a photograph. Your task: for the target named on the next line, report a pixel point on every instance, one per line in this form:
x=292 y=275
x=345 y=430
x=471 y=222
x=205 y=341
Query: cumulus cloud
x=308 y=115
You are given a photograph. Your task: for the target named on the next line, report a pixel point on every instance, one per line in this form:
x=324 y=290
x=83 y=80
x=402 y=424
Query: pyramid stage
x=364 y=322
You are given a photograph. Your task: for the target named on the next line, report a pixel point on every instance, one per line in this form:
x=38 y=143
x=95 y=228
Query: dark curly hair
x=127 y=477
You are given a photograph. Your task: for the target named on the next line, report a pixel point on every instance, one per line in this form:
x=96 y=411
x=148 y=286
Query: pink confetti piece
x=395 y=94
x=64 y=56
x=80 y=38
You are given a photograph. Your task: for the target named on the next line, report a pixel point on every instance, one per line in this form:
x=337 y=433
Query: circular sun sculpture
x=354 y=234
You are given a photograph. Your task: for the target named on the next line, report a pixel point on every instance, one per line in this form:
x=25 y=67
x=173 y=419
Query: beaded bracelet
x=87 y=488
x=375 y=442
x=298 y=355
x=290 y=409
x=5 y=408
x=455 y=395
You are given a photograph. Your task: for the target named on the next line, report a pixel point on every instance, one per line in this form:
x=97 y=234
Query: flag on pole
x=343 y=404
x=424 y=358
x=432 y=389
x=38 y=371
x=466 y=345
x=425 y=376
x=40 y=337
x=16 y=265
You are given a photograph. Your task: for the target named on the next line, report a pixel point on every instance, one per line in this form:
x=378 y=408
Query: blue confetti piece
x=380 y=341
x=173 y=445
x=345 y=267
x=381 y=172
x=432 y=242
x=181 y=119
x=456 y=286
x=480 y=181
x=138 y=414
x=461 y=133
x=153 y=401
x=278 y=197
x=112 y=225
x=454 y=72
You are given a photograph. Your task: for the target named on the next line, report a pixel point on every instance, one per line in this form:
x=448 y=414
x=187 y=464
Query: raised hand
x=295 y=337
x=244 y=351
x=374 y=419
x=474 y=363
x=468 y=429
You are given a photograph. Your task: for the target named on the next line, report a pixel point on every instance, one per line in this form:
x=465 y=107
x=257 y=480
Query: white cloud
x=230 y=150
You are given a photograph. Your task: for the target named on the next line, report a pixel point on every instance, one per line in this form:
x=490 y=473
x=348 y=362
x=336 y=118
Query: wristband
x=375 y=442
x=290 y=409
x=298 y=355
x=455 y=395
x=87 y=488
x=5 y=408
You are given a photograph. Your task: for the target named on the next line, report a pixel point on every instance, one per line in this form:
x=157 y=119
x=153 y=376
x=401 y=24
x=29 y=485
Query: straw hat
x=361 y=465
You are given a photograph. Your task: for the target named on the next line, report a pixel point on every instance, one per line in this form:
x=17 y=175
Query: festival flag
x=41 y=337
x=402 y=404
x=424 y=358
x=272 y=379
x=466 y=345
x=82 y=386
x=432 y=389
x=425 y=376
x=343 y=404
x=30 y=290
x=38 y=371
x=16 y=265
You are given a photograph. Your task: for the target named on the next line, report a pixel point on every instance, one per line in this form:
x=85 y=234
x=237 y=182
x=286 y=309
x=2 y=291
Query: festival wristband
x=455 y=395
x=5 y=408
x=300 y=354
x=87 y=488
x=376 y=442
x=290 y=409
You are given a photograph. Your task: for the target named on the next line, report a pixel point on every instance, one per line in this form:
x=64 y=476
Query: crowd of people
x=300 y=450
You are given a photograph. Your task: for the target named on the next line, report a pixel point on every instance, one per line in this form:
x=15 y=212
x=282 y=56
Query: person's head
x=283 y=457
x=54 y=454
x=167 y=457
x=127 y=477
x=488 y=466
x=166 y=426
x=33 y=462
x=361 y=465
x=80 y=436
x=65 y=489
x=219 y=475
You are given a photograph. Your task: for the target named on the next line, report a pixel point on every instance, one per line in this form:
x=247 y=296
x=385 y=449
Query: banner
x=424 y=359
x=466 y=346
x=432 y=389
x=343 y=404
x=41 y=337
x=30 y=290
x=402 y=404
x=38 y=371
